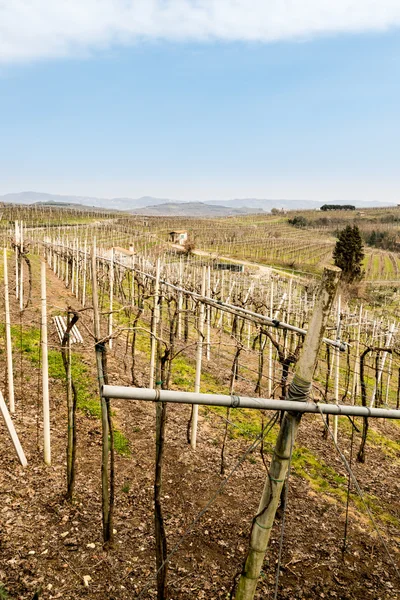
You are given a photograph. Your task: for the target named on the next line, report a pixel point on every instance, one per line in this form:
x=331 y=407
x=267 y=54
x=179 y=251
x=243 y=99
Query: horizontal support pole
x=127 y=393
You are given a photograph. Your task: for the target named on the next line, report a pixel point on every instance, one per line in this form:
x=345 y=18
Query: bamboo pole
x=45 y=369
x=10 y=371
x=298 y=390
x=199 y=356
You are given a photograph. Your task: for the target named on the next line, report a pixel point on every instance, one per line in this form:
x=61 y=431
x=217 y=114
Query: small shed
x=121 y=255
x=178 y=237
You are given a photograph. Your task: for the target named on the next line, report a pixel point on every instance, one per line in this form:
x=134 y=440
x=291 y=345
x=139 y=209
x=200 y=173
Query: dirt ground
x=48 y=545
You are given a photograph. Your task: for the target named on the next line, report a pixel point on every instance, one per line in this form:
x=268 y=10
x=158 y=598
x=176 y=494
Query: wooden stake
x=10 y=371
x=154 y=326
x=106 y=512
x=111 y=283
x=299 y=388
x=45 y=369
x=337 y=370
x=11 y=430
x=199 y=355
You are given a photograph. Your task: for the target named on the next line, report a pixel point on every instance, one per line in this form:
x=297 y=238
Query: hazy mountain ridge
x=195 y=209
x=152 y=206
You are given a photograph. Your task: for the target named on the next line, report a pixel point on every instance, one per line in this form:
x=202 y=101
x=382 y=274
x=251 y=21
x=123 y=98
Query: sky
x=201 y=100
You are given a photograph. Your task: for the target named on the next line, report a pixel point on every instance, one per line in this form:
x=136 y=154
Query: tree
x=348 y=253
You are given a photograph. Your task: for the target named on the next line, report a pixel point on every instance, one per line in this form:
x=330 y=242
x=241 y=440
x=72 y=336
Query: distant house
x=178 y=237
x=121 y=255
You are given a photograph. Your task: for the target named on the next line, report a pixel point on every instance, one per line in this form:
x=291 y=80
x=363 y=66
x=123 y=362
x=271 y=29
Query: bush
x=298 y=221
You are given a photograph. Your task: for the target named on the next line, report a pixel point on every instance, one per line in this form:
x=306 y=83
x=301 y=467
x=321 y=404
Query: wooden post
x=45 y=369
x=271 y=348
x=11 y=430
x=356 y=374
x=106 y=512
x=111 y=304
x=299 y=389
x=16 y=259
x=208 y=315
x=337 y=370
x=77 y=269
x=180 y=300
x=21 y=267
x=84 y=273
x=154 y=326
x=10 y=371
x=388 y=342
x=199 y=355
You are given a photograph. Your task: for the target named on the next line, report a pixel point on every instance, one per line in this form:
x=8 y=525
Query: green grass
x=88 y=403
x=4 y=593
x=121 y=444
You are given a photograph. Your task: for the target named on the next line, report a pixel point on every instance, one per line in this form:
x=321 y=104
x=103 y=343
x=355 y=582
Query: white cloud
x=32 y=29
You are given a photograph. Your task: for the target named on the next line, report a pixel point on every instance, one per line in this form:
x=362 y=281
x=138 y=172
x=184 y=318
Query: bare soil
x=48 y=545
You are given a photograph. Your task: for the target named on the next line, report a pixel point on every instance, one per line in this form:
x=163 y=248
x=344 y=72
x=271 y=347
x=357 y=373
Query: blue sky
x=314 y=116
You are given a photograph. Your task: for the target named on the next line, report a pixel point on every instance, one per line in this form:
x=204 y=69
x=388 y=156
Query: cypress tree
x=348 y=253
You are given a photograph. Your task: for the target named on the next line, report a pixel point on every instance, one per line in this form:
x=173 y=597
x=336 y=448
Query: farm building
x=121 y=255
x=178 y=237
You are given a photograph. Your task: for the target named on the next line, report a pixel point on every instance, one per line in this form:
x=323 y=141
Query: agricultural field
x=159 y=317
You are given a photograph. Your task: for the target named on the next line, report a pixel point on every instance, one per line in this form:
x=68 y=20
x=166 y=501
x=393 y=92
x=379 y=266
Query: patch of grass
x=324 y=479
x=4 y=593
x=121 y=444
x=29 y=342
x=389 y=447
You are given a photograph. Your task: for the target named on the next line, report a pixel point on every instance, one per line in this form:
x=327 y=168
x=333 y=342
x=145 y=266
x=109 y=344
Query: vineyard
x=127 y=500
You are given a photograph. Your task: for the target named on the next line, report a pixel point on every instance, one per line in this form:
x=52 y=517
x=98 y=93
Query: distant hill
x=124 y=204
x=171 y=206
x=192 y=209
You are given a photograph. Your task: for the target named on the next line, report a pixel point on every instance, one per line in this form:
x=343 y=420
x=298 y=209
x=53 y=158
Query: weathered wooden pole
x=199 y=356
x=111 y=303
x=21 y=267
x=10 y=371
x=356 y=373
x=180 y=300
x=337 y=369
x=298 y=390
x=16 y=259
x=100 y=348
x=271 y=348
x=154 y=326
x=12 y=433
x=84 y=273
x=45 y=368
x=382 y=361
